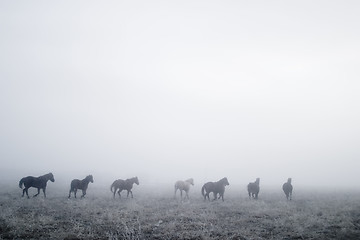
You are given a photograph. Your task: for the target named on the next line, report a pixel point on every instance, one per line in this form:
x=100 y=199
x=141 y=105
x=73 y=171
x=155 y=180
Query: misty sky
x=168 y=90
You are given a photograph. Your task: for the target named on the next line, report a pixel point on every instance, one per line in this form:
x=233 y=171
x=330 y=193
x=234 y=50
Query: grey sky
x=178 y=89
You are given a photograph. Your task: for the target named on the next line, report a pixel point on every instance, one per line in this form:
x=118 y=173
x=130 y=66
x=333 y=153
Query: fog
x=168 y=90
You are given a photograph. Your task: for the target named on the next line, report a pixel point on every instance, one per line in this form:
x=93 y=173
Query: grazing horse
x=287 y=187
x=80 y=184
x=124 y=185
x=184 y=186
x=36 y=182
x=254 y=188
x=215 y=187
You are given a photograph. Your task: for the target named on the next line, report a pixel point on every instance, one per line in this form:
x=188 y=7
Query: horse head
x=191 y=181
x=225 y=181
x=289 y=180
x=90 y=178
x=257 y=181
x=136 y=180
x=51 y=177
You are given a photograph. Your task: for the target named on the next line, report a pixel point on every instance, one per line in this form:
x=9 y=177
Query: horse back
x=253 y=187
x=76 y=183
x=183 y=185
x=209 y=186
x=121 y=184
x=287 y=187
x=27 y=181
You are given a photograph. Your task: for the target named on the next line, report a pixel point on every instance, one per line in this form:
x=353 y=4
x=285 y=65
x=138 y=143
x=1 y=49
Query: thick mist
x=172 y=90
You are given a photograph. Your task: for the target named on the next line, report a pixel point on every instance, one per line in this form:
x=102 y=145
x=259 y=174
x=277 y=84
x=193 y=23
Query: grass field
x=328 y=215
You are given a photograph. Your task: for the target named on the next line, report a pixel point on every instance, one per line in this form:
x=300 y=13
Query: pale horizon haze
x=168 y=90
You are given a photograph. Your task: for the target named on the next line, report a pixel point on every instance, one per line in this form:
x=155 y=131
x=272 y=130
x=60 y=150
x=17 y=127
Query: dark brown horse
x=36 y=182
x=215 y=187
x=184 y=186
x=254 y=188
x=80 y=184
x=287 y=188
x=127 y=185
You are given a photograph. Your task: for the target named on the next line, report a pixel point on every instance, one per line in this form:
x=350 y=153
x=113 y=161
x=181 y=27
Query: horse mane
x=132 y=180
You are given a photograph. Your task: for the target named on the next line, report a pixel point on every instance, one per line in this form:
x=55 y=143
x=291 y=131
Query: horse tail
x=203 y=190
x=21 y=183
x=111 y=187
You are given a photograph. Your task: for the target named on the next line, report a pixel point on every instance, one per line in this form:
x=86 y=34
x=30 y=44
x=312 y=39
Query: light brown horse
x=183 y=186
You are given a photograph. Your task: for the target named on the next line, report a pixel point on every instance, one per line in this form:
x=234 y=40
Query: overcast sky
x=168 y=90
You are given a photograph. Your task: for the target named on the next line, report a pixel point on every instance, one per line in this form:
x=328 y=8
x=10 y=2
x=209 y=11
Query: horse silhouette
x=119 y=185
x=36 y=182
x=216 y=188
x=80 y=184
x=287 y=188
x=183 y=186
x=254 y=188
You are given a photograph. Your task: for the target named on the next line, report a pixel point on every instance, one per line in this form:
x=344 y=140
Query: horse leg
x=70 y=193
x=44 y=191
x=215 y=196
x=181 y=193
x=208 y=196
x=290 y=195
x=115 y=192
x=175 y=192
x=83 y=193
x=119 y=193
x=131 y=194
x=26 y=191
x=37 y=193
x=75 y=190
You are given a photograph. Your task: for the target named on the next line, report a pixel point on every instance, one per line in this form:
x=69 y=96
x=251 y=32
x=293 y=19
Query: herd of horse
x=120 y=185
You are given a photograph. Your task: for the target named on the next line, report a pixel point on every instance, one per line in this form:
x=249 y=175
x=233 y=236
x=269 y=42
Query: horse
x=80 y=184
x=215 y=187
x=254 y=188
x=124 y=185
x=183 y=186
x=287 y=188
x=36 y=182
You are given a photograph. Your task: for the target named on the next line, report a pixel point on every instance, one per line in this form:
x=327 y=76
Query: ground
x=161 y=216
